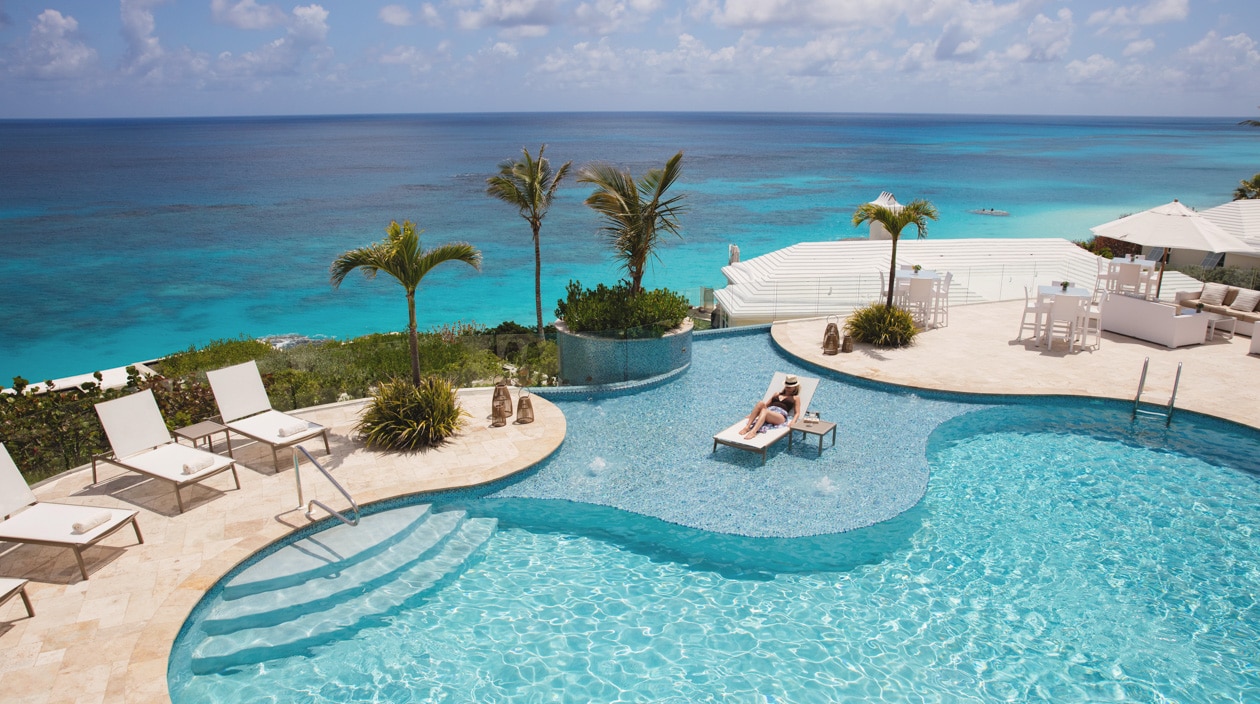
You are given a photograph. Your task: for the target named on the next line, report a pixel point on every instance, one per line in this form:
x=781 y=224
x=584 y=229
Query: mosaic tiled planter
x=586 y=359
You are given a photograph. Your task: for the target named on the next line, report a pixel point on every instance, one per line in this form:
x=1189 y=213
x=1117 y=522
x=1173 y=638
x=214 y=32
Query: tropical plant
x=1248 y=188
x=635 y=213
x=895 y=219
x=401 y=256
x=407 y=416
x=530 y=185
x=881 y=325
x=615 y=311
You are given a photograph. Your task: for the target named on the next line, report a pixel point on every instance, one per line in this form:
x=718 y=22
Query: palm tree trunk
x=538 y=281
x=892 y=273
x=412 y=338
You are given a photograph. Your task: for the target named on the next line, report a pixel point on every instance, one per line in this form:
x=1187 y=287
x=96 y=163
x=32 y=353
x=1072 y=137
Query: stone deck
x=107 y=639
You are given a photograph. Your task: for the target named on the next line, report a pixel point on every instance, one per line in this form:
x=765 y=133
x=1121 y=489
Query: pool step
x=327 y=623
x=316 y=594
x=327 y=552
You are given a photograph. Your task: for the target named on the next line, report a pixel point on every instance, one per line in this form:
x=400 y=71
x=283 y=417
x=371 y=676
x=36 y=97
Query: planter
x=586 y=359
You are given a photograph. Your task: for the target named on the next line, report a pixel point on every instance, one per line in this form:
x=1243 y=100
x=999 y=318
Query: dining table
x=1045 y=297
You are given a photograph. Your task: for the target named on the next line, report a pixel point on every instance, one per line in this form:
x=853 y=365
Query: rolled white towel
x=194 y=466
x=297 y=427
x=88 y=524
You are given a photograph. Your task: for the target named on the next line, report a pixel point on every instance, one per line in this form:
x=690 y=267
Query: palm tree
x=635 y=213
x=895 y=220
x=1248 y=189
x=400 y=256
x=530 y=185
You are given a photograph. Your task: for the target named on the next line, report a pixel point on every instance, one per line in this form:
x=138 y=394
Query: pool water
x=1061 y=553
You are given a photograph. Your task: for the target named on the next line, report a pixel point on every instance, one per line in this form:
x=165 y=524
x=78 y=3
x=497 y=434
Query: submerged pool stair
x=331 y=585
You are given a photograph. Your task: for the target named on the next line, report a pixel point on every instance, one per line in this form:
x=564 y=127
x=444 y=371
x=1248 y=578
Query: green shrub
x=1228 y=275
x=613 y=312
x=216 y=355
x=405 y=417
x=881 y=326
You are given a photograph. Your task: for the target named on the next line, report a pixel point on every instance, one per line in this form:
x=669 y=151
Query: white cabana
x=1240 y=218
x=878 y=231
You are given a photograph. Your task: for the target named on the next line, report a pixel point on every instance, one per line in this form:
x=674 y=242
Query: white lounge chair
x=27 y=520
x=246 y=410
x=142 y=444
x=10 y=588
x=760 y=443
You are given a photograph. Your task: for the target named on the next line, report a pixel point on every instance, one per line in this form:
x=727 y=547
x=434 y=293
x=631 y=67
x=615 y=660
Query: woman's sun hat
x=791 y=380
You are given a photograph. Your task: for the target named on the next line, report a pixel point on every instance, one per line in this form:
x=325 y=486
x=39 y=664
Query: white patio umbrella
x=1171 y=226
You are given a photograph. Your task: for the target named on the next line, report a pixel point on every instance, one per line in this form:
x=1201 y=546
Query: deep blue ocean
x=125 y=240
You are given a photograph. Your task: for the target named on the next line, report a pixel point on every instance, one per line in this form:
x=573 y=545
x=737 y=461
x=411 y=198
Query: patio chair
x=919 y=300
x=10 y=588
x=1091 y=322
x=1064 y=311
x=28 y=520
x=246 y=410
x=1034 y=307
x=142 y=444
x=731 y=437
x=940 y=308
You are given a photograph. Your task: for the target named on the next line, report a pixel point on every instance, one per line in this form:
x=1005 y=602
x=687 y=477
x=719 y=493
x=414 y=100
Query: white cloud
x=431 y=16
x=1137 y=48
x=1096 y=69
x=53 y=50
x=396 y=15
x=803 y=13
x=504 y=49
x=1221 y=63
x=610 y=16
x=247 y=14
x=1153 y=12
x=409 y=57
x=1046 y=39
x=307 y=31
x=525 y=17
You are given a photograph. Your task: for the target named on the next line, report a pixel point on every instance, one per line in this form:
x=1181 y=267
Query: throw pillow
x=1213 y=294
x=1246 y=301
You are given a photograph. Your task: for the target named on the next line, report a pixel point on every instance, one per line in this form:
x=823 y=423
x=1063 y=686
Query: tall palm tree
x=1248 y=189
x=895 y=220
x=635 y=213
x=530 y=185
x=400 y=256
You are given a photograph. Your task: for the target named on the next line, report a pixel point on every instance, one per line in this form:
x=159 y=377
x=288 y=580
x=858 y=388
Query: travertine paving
x=107 y=639
x=979 y=353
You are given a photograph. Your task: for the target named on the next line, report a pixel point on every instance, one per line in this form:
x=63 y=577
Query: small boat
x=989 y=211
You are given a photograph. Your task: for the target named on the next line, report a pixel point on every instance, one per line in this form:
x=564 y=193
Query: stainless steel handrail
x=297 y=476
x=1172 y=399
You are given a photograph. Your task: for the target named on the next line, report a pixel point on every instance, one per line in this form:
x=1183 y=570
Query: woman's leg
x=752 y=417
x=767 y=415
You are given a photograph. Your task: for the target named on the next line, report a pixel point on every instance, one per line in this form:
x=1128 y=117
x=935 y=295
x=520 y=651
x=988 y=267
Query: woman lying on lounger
x=779 y=410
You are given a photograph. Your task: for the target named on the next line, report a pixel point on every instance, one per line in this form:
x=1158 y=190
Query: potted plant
x=1066 y=285
x=917 y=268
x=1198 y=307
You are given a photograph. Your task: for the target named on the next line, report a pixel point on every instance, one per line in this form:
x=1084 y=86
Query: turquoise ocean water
x=124 y=240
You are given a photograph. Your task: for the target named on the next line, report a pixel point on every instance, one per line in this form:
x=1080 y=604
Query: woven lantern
x=831 y=338
x=500 y=405
x=847 y=345
x=524 y=408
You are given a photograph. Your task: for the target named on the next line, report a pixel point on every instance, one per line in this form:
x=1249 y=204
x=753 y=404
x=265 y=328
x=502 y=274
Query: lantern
x=847 y=346
x=831 y=337
x=500 y=405
x=524 y=408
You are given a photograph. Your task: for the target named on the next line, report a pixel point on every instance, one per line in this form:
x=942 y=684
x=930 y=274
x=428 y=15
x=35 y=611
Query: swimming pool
x=1060 y=552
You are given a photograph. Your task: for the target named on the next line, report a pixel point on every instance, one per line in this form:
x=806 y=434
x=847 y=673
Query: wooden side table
x=819 y=428
x=205 y=430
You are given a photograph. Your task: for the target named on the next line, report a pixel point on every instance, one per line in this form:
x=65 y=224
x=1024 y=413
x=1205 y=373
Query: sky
x=160 y=58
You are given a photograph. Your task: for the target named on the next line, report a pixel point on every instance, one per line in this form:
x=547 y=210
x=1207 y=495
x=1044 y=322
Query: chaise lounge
x=760 y=444
x=142 y=444
x=27 y=520
x=246 y=410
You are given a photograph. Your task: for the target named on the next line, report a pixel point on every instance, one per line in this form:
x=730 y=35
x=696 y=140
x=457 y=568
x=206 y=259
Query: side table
x=204 y=431
x=1216 y=321
x=819 y=428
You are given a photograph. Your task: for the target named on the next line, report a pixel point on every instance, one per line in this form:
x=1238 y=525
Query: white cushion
x=1246 y=301
x=1213 y=294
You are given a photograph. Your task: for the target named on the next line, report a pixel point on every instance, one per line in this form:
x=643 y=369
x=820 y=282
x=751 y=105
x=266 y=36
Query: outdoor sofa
x=1239 y=303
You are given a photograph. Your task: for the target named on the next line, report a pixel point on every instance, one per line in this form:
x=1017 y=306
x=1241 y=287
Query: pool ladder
x=297 y=476
x=1167 y=411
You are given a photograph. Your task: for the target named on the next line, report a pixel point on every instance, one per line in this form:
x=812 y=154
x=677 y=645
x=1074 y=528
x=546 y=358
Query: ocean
x=125 y=240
